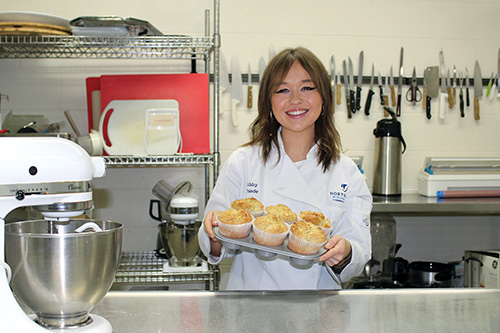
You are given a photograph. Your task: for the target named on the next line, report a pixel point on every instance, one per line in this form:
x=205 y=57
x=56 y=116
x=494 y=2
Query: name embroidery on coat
x=252 y=188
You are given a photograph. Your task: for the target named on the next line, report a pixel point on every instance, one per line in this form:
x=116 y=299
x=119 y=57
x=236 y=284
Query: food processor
x=59 y=267
x=177 y=211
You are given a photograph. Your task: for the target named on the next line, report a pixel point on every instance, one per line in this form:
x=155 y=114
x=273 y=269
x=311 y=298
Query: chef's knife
x=498 y=72
x=250 y=94
x=224 y=78
x=424 y=91
x=478 y=89
x=432 y=81
x=400 y=83
x=448 y=89
x=352 y=94
x=386 y=96
x=370 y=93
x=339 y=87
x=332 y=81
x=461 y=95
x=391 y=85
x=467 y=85
x=488 y=88
x=359 y=81
x=347 y=90
x=381 y=88
x=262 y=68
x=443 y=95
x=236 y=89
x=454 y=84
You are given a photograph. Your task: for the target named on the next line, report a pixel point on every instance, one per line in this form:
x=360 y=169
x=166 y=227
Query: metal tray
x=268 y=252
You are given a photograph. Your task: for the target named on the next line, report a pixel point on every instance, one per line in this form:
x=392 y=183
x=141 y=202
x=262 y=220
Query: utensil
x=443 y=95
x=467 y=85
x=478 y=89
x=332 y=81
x=381 y=88
x=400 y=83
x=454 y=85
x=339 y=87
x=223 y=78
x=236 y=90
x=359 y=81
x=386 y=96
x=262 y=68
x=448 y=88
x=391 y=85
x=432 y=81
x=461 y=94
x=488 y=88
x=494 y=87
x=352 y=93
x=249 y=94
x=347 y=90
x=430 y=274
x=498 y=72
x=370 y=93
x=414 y=94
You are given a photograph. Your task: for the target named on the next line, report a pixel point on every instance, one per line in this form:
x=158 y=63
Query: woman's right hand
x=209 y=222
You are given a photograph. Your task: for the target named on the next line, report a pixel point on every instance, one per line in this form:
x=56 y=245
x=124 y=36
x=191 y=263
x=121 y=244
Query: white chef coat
x=341 y=194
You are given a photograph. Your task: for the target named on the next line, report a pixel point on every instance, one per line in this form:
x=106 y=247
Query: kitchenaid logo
x=252 y=188
x=75 y=187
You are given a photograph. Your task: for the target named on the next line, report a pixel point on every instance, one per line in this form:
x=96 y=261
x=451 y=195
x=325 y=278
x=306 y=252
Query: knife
x=400 y=82
x=339 y=86
x=332 y=81
x=467 y=85
x=386 y=96
x=443 y=95
x=432 y=82
x=488 y=89
x=368 y=102
x=359 y=81
x=478 y=89
x=494 y=87
x=236 y=90
x=352 y=94
x=381 y=88
x=454 y=85
x=461 y=95
x=393 y=93
x=498 y=72
x=424 y=91
x=224 y=78
x=249 y=95
x=347 y=90
x=448 y=89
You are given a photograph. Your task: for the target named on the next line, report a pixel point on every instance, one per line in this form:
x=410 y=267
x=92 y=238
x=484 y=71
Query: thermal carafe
x=389 y=146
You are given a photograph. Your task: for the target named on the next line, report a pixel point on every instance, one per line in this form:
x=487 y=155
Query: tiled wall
x=466 y=30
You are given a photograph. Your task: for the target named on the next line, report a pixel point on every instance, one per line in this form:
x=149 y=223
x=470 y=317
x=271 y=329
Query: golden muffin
x=315 y=218
x=234 y=223
x=305 y=238
x=251 y=205
x=269 y=230
x=282 y=211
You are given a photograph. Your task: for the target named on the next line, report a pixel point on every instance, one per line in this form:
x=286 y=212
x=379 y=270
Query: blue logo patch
x=344 y=187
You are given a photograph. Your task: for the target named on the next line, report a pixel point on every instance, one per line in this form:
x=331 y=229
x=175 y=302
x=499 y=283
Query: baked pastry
x=269 y=230
x=305 y=238
x=317 y=219
x=251 y=205
x=283 y=212
x=235 y=223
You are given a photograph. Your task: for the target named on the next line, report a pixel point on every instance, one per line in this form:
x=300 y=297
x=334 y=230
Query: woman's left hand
x=338 y=248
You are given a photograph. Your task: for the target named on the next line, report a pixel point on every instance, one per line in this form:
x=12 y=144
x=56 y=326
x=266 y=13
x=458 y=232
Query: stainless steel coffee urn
x=389 y=146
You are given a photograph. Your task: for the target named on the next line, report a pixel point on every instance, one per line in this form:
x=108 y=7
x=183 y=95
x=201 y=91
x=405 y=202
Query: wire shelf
x=159 y=160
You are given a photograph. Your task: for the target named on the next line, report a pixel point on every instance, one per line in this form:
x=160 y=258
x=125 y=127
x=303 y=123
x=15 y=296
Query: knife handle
x=428 y=107
x=443 y=98
x=358 y=98
x=450 y=98
x=393 y=96
x=462 y=114
x=352 y=101
x=467 y=99
x=386 y=103
x=382 y=99
x=339 y=94
x=454 y=95
x=348 y=104
x=476 y=108
x=398 y=106
x=424 y=98
x=368 y=102
x=250 y=97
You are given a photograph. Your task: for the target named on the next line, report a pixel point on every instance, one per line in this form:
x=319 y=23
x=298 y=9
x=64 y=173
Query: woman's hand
x=338 y=248
x=209 y=222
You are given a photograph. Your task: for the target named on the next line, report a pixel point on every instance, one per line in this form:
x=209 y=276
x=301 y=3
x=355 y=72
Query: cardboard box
x=481 y=268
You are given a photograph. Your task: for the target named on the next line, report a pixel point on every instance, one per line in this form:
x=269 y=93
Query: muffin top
x=308 y=232
x=235 y=216
x=315 y=218
x=251 y=205
x=282 y=211
x=270 y=223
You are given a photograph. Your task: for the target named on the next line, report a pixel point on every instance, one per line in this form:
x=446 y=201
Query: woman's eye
x=309 y=88
x=282 y=90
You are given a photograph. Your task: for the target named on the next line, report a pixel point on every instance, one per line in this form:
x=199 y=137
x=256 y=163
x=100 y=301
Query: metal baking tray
x=268 y=252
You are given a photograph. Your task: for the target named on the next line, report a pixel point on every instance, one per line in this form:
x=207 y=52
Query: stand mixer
x=53 y=174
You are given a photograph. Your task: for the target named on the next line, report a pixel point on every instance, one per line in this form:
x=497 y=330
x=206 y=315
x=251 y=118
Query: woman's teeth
x=296 y=112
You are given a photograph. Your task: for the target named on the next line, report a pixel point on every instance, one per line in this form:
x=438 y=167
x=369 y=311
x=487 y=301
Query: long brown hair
x=264 y=128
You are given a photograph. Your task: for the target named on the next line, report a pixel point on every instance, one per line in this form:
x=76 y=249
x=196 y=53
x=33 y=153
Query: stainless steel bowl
x=61 y=276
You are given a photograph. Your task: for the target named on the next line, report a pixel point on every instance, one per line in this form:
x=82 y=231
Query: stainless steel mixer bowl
x=62 y=276
x=180 y=243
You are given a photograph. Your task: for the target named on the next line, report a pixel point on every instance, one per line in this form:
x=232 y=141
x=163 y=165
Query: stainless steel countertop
x=416 y=204
x=383 y=310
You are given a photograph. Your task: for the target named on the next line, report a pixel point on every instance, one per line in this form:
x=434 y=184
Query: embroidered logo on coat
x=252 y=188
x=344 y=187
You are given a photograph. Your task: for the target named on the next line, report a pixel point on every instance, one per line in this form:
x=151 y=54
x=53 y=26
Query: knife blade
x=386 y=95
x=488 y=88
x=432 y=81
x=368 y=102
x=352 y=94
x=448 y=89
x=347 y=90
x=400 y=83
x=461 y=94
x=236 y=89
x=249 y=82
x=391 y=86
x=478 y=88
x=467 y=86
x=359 y=80
x=443 y=95
x=223 y=78
x=332 y=81
x=424 y=91
x=454 y=84
x=381 y=88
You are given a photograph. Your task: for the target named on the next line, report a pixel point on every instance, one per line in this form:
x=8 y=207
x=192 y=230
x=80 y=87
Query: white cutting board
x=123 y=127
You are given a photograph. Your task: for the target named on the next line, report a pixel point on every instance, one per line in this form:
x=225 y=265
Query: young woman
x=294 y=158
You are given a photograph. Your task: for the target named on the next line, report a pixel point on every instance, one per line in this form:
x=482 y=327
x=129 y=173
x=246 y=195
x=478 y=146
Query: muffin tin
x=268 y=252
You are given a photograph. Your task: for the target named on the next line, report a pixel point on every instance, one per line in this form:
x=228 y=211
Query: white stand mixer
x=50 y=172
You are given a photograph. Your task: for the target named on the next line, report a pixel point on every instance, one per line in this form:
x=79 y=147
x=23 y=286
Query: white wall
x=466 y=30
